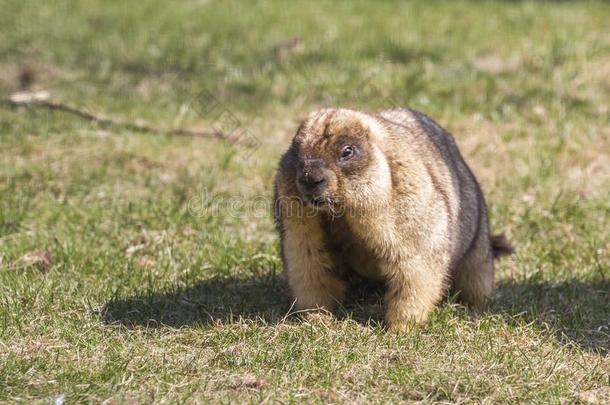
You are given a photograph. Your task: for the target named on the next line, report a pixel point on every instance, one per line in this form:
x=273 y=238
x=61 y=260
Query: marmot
x=389 y=197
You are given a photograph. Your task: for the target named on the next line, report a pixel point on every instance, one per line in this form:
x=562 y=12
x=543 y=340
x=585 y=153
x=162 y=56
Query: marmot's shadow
x=579 y=312
x=218 y=299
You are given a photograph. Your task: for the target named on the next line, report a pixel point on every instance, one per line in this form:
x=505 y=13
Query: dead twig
x=41 y=99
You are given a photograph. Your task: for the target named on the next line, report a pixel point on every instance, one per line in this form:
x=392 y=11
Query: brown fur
x=389 y=197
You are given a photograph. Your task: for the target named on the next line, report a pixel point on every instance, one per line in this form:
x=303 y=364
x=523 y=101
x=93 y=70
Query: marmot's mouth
x=318 y=202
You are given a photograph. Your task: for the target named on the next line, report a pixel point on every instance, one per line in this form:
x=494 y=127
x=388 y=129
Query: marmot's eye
x=347 y=152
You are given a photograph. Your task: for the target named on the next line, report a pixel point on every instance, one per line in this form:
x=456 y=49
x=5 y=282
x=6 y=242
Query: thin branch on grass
x=41 y=99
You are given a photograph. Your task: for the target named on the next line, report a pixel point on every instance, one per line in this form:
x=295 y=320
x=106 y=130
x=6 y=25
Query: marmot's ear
x=372 y=128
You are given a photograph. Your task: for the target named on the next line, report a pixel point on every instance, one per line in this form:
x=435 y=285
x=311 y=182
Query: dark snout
x=312 y=178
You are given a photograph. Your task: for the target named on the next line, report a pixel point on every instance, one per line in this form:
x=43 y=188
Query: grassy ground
x=139 y=267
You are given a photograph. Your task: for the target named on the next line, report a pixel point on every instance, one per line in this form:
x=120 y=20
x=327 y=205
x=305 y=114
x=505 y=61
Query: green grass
x=153 y=294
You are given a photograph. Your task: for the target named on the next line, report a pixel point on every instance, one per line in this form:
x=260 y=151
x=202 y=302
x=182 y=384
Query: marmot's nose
x=312 y=176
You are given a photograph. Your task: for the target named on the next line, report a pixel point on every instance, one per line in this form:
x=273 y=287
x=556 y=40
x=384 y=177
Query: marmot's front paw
x=402 y=319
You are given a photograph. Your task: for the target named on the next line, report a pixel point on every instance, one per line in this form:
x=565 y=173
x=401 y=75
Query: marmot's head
x=336 y=160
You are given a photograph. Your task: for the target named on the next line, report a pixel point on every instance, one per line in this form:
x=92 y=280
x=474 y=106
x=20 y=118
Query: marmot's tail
x=500 y=246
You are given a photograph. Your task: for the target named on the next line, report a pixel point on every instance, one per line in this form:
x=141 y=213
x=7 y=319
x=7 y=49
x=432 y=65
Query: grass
x=139 y=267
